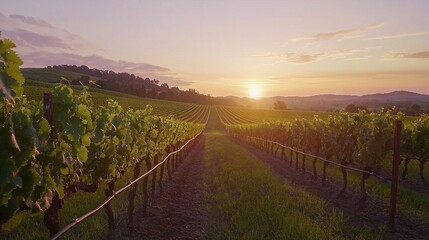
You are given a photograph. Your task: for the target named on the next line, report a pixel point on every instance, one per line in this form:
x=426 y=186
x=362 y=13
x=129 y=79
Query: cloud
x=375 y=74
x=401 y=35
x=43 y=59
x=31 y=20
x=34 y=40
x=41 y=44
x=302 y=58
x=414 y=55
x=358 y=58
x=292 y=57
x=342 y=33
x=32 y=33
x=3 y=17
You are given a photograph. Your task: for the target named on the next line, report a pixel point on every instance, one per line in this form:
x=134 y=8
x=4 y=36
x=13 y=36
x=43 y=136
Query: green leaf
x=77 y=129
x=86 y=141
x=43 y=127
x=64 y=171
x=30 y=178
x=6 y=44
x=116 y=140
x=65 y=146
x=82 y=154
x=83 y=112
x=59 y=189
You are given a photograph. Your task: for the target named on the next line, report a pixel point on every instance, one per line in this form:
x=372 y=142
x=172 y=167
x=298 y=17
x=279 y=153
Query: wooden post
x=169 y=160
x=108 y=208
x=51 y=216
x=47 y=107
x=395 y=174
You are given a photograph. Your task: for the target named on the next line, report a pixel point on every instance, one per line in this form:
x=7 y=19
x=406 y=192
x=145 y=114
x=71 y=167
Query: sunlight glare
x=254 y=92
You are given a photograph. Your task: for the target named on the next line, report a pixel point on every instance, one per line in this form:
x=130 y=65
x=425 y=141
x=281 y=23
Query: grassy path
x=246 y=201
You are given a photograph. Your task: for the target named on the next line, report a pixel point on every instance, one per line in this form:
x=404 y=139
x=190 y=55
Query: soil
x=372 y=214
x=179 y=212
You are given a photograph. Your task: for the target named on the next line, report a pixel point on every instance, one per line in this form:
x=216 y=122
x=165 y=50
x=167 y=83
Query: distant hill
x=332 y=102
x=397 y=96
x=120 y=82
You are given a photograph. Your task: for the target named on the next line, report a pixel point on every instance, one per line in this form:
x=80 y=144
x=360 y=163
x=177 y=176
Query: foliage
x=364 y=138
x=351 y=108
x=85 y=144
x=280 y=105
x=415 y=139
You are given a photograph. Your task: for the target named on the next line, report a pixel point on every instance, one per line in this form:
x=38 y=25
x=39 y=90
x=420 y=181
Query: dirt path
x=180 y=211
x=373 y=214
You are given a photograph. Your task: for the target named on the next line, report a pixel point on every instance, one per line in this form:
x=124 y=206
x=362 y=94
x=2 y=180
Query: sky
x=233 y=47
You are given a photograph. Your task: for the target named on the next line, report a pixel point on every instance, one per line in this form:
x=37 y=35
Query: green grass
x=34 y=91
x=246 y=201
x=410 y=202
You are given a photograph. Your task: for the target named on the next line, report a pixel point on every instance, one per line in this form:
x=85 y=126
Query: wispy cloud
x=302 y=58
x=25 y=38
x=32 y=33
x=292 y=57
x=42 y=59
x=414 y=55
x=342 y=33
x=6 y=21
x=31 y=20
x=358 y=58
x=41 y=44
x=400 y=35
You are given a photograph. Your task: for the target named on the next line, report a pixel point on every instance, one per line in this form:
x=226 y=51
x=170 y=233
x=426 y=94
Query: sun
x=254 y=92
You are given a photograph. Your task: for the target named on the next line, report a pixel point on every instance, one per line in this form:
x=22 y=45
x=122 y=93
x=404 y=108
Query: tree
x=414 y=110
x=155 y=81
x=351 y=108
x=82 y=80
x=280 y=105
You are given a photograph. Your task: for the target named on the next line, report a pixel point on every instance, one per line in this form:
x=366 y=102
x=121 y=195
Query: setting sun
x=254 y=92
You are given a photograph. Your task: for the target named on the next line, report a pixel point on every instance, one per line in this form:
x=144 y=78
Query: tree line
x=138 y=86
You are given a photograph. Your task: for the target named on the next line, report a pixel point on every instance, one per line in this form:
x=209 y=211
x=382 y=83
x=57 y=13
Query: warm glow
x=240 y=48
x=254 y=92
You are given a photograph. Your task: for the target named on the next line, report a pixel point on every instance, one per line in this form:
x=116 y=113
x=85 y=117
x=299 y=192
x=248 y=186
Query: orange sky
x=230 y=47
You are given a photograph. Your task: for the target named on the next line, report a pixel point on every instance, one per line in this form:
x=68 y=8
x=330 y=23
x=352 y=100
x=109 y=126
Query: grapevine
x=362 y=141
x=43 y=164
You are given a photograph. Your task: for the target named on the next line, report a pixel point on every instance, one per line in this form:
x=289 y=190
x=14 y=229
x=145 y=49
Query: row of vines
x=46 y=159
x=361 y=142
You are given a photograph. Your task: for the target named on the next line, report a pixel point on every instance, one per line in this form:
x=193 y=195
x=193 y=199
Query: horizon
x=329 y=94
x=242 y=48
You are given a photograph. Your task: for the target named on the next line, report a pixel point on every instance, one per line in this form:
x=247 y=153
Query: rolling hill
x=331 y=102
